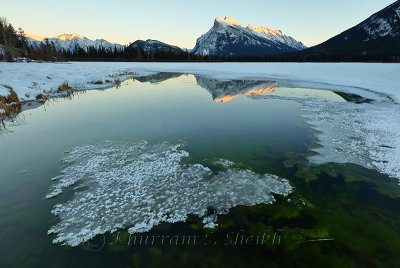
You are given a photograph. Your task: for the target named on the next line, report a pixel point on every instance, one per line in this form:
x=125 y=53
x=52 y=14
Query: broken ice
x=137 y=185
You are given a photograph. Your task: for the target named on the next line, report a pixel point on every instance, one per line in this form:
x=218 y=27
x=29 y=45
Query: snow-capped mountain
x=150 y=46
x=71 y=42
x=228 y=37
x=377 y=35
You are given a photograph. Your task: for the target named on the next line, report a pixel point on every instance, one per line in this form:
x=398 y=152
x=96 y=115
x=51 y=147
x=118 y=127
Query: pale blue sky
x=182 y=22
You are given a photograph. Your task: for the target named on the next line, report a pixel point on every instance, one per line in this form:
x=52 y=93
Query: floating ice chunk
x=224 y=163
x=210 y=221
x=136 y=185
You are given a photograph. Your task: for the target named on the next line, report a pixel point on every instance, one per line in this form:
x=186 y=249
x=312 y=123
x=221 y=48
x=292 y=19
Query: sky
x=182 y=22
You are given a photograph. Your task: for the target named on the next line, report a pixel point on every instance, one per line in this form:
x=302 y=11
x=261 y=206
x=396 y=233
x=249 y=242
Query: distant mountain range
x=71 y=42
x=227 y=37
x=377 y=35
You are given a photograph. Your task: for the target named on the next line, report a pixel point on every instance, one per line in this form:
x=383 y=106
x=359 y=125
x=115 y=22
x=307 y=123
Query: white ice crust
x=137 y=185
x=364 y=134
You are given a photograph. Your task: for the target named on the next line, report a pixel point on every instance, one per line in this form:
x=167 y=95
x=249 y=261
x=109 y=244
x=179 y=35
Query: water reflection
x=157 y=77
x=224 y=91
x=221 y=91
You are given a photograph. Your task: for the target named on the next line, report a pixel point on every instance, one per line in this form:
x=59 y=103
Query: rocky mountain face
x=229 y=38
x=377 y=35
x=150 y=46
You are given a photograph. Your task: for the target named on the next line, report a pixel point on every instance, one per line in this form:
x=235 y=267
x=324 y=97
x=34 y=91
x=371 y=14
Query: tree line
x=132 y=53
x=12 y=42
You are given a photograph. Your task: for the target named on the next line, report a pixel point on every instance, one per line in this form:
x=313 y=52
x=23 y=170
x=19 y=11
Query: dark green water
x=338 y=215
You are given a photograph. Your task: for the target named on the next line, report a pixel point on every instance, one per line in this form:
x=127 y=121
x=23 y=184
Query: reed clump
x=9 y=105
x=39 y=96
x=64 y=87
x=11 y=98
x=117 y=81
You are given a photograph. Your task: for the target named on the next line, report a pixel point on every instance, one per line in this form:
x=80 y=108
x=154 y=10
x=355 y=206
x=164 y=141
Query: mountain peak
x=151 y=46
x=70 y=36
x=61 y=37
x=228 y=20
x=35 y=37
x=229 y=38
x=265 y=30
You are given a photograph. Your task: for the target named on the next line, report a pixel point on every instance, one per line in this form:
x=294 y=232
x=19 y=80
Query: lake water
x=336 y=214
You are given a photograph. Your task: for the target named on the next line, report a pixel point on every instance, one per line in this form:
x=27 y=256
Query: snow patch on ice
x=364 y=134
x=136 y=185
x=4 y=91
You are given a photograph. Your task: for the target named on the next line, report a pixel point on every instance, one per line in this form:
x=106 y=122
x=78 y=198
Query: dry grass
x=117 y=81
x=64 y=87
x=10 y=106
x=3 y=108
x=10 y=88
x=108 y=81
x=9 y=111
x=99 y=82
x=12 y=98
x=39 y=96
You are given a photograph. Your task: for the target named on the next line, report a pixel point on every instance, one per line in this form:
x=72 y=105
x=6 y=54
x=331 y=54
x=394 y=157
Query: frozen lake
x=226 y=160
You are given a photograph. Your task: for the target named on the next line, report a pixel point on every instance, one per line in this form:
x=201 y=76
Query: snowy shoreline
x=30 y=79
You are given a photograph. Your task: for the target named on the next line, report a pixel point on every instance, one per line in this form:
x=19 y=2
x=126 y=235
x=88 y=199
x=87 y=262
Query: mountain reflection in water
x=223 y=91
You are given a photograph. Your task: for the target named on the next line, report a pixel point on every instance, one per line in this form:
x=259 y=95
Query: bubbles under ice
x=136 y=185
